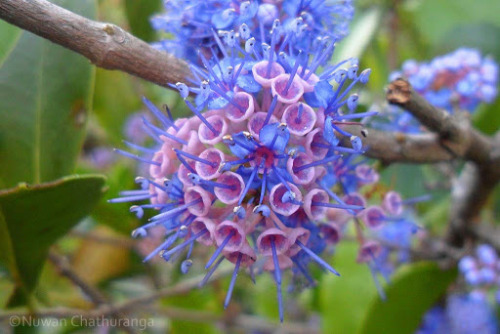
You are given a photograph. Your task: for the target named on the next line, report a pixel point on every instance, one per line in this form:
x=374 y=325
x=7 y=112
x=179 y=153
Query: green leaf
x=45 y=95
x=435 y=18
x=407 y=179
x=138 y=15
x=414 y=289
x=345 y=298
x=112 y=112
x=9 y=35
x=32 y=218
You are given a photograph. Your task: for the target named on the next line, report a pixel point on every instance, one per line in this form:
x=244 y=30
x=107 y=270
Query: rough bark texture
x=104 y=44
x=481 y=173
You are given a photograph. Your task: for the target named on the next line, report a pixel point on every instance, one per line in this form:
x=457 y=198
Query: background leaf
x=45 y=95
x=32 y=218
x=414 y=289
x=138 y=15
x=345 y=299
x=362 y=32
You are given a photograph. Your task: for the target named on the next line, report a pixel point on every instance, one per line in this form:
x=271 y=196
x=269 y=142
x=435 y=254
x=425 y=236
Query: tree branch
x=454 y=130
x=92 y=293
x=392 y=147
x=480 y=175
x=104 y=44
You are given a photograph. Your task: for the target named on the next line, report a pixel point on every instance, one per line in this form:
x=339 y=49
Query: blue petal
x=275 y=137
x=248 y=83
x=329 y=132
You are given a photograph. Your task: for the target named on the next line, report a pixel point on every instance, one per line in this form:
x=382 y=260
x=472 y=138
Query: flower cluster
x=265 y=171
x=462 y=314
x=196 y=25
x=392 y=227
x=482 y=272
x=459 y=80
x=472 y=311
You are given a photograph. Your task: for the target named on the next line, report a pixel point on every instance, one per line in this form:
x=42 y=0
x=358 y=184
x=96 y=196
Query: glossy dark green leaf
x=138 y=15
x=32 y=218
x=414 y=289
x=45 y=93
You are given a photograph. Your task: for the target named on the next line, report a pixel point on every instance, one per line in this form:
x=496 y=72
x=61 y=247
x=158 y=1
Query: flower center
x=264 y=158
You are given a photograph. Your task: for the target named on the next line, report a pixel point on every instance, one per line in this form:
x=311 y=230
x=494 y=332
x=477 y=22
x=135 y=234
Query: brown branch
x=392 y=147
x=469 y=194
x=91 y=292
x=480 y=175
x=454 y=130
x=106 y=309
x=104 y=44
x=65 y=270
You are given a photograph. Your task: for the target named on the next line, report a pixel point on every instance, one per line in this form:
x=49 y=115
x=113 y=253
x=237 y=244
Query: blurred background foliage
x=60 y=117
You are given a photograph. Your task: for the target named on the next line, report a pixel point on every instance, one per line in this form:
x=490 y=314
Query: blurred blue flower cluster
x=472 y=311
x=482 y=271
x=461 y=80
x=462 y=314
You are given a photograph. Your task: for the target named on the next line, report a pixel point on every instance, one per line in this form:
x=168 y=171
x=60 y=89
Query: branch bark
x=481 y=173
x=91 y=292
x=454 y=130
x=390 y=147
x=104 y=44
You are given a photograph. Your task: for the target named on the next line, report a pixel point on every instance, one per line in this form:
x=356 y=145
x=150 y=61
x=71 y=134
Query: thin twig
x=92 y=293
x=104 y=310
x=65 y=270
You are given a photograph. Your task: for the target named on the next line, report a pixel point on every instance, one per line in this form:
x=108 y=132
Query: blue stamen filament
x=139 y=148
x=321 y=59
x=210 y=272
x=200 y=116
x=316 y=258
x=220 y=249
x=170 y=240
x=277 y=278
x=136 y=157
x=133 y=192
x=164 y=133
x=131 y=198
x=271 y=110
x=292 y=74
x=233 y=280
x=315 y=163
x=217 y=184
x=175 y=211
x=337 y=206
x=194 y=157
x=304 y=272
x=247 y=186
x=299 y=114
x=166 y=255
x=263 y=188
x=158 y=114
x=282 y=180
